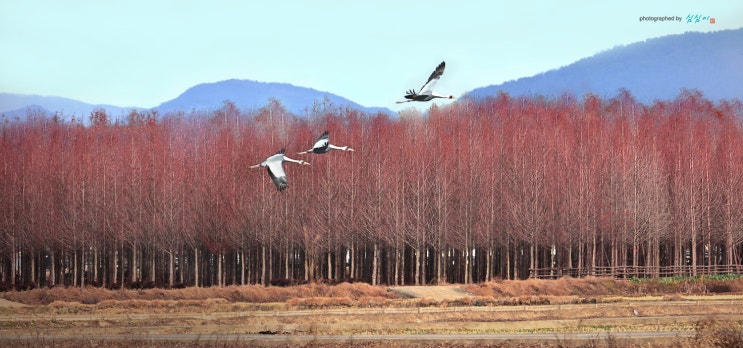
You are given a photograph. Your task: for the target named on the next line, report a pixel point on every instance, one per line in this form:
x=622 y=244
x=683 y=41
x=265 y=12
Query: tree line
x=472 y=191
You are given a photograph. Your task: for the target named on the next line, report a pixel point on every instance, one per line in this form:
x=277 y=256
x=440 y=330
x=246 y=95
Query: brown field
x=318 y=314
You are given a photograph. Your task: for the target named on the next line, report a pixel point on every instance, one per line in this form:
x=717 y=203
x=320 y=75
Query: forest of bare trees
x=476 y=190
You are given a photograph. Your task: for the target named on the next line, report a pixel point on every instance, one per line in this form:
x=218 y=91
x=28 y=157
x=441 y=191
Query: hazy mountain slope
x=652 y=69
x=249 y=95
x=18 y=105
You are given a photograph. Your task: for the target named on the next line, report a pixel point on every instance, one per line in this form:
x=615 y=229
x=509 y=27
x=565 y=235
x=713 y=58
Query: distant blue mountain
x=18 y=106
x=653 y=69
x=24 y=112
x=245 y=94
x=250 y=95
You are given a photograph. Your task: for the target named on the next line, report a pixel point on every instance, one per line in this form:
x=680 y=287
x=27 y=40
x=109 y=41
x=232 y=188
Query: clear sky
x=142 y=53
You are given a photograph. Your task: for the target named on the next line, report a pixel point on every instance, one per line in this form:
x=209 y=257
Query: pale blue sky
x=142 y=53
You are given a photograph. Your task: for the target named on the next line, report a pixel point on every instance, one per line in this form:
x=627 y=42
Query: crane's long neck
x=287 y=159
x=343 y=148
x=433 y=95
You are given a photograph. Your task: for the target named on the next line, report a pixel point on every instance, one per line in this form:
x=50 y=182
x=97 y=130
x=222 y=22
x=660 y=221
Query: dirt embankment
x=10 y=304
x=444 y=292
x=349 y=294
x=675 y=312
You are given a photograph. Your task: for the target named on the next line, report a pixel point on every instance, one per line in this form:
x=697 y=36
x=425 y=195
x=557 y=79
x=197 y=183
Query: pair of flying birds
x=275 y=167
x=274 y=164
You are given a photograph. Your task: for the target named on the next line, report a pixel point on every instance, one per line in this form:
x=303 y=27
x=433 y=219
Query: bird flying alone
x=426 y=92
x=275 y=168
x=323 y=145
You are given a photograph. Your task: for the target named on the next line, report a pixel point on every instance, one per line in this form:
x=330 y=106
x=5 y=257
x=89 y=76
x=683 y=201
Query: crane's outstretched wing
x=280 y=181
x=276 y=170
x=427 y=88
x=321 y=145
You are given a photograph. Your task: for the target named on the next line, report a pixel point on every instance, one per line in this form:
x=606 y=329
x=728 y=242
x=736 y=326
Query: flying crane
x=323 y=145
x=426 y=92
x=275 y=168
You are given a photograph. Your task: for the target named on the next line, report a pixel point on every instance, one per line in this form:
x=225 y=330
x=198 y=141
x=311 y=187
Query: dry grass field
x=611 y=313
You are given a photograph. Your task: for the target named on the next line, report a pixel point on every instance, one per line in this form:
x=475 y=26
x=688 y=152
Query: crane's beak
x=255 y=166
x=306 y=163
x=350 y=149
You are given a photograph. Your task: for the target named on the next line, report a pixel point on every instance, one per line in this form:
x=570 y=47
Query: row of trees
x=465 y=193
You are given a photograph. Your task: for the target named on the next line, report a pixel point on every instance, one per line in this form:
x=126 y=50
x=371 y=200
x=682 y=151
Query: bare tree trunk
x=13 y=264
x=32 y=268
x=467 y=261
x=220 y=276
x=153 y=269
x=352 y=258
x=82 y=265
x=95 y=264
x=507 y=255
x=593 y=253
x=287 y=259
x=74 y=268
x=532 y=260
x=488 y=261
x=445 y=265
x=551 y=259
x=693 y=252
x=182 y=266
x=114 y=266
x=122 y=266
x=242 y=267
x=439 y=274
x=425 y=259
x=375 y=263
x=263 y=265
x=729 y=260
x=52 y=271
x=580 y=256
x=196 y=267
x=270 y=265
x=396 y=262
x=306 y=267
x=171 y=269
x=330 y=265
x=516 y=261
x=678 y=253
x=417 y=266
x=134 y=263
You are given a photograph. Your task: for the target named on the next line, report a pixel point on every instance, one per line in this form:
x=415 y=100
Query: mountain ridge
x=13 y=105
x=656 y=68
x=249 y=95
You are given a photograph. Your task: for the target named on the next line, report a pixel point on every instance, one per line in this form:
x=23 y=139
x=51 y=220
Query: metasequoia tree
x=729 y=185
x=468 y=192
